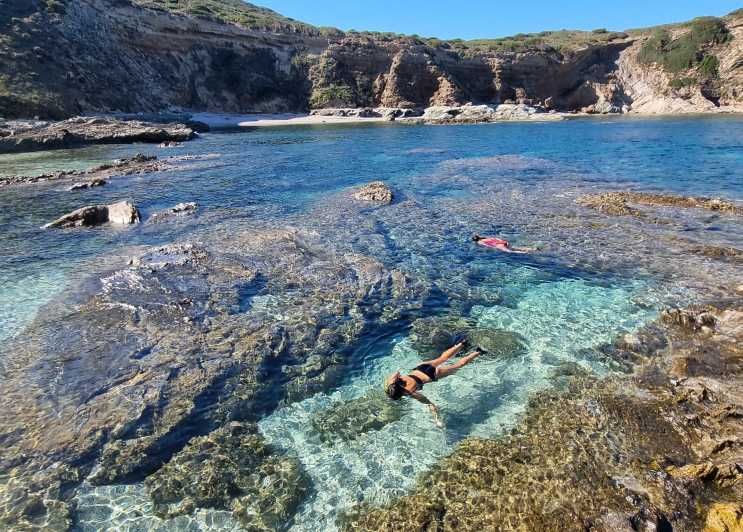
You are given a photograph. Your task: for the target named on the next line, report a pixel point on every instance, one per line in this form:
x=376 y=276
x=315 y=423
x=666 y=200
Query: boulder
x=689 y=319
x=350 y=419
x=232 y=468
x=376 y=192
x=122 y=213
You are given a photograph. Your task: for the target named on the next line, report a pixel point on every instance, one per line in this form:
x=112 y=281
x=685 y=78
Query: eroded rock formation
x=196 y=60
x=121 y=213
x=81 y=131
x=98 y=175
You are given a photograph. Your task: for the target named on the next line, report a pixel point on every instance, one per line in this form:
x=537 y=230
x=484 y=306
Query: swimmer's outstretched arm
x=432 y=407
x=518 y=251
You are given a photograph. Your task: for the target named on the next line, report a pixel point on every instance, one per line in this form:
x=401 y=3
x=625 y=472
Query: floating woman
x=499 y=244
x=398 y=386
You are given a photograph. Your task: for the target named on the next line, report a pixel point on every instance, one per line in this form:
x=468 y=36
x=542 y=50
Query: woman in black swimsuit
x=398 y=385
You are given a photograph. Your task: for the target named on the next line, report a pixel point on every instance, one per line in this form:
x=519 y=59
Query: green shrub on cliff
x=681 y=83
x=710 y=66
x=565 y=41
x=233 y=12
x=689 y=50
x=332 y=96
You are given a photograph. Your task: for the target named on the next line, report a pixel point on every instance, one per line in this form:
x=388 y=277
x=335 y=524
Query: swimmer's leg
x=446 y=355
x=451 y=369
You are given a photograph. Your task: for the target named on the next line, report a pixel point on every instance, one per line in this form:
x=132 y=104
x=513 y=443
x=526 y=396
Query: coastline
x=229 y=121
x=294 y=251
x=351 y=116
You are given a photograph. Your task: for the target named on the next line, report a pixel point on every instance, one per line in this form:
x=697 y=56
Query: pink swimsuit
x=496 y=243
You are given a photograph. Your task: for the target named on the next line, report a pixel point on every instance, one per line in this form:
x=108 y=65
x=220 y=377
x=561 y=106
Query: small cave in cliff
x=711 y=92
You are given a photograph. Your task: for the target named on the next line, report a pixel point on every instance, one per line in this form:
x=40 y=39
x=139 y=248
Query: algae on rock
x=231 y=468
x=351 y=419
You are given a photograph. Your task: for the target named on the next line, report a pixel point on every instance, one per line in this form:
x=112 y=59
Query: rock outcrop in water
x=620 y=203
x=350 y=420
x=184 y=341
x=139 y=164
x=177 y=211
x=431 y=336
x=121 y=213
x=16 y=137
x=219 y=58
x=376 y=192
x=653 y=451
x=233 y=469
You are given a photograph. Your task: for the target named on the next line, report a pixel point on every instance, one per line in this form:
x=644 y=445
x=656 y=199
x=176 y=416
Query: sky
x=472 y=19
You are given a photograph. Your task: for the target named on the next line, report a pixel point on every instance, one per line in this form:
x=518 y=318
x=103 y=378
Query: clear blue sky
x=471 y=19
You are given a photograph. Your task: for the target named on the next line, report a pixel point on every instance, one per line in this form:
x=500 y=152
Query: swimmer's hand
x=436 y=418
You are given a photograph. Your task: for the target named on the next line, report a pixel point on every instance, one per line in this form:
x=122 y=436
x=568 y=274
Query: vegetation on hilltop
x=237 y=12
x=689 y=50
x=564 y=41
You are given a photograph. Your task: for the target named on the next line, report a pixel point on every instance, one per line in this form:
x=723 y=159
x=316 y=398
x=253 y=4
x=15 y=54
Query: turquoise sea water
x=593 y=280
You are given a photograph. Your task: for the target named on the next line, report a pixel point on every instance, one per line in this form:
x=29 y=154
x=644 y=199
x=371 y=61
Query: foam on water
x=558 y=319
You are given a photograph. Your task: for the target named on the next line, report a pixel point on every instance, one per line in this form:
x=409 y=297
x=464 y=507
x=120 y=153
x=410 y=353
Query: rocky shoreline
x=96 y=176
x=18 y=136
x=195 y=341
x=658 y=449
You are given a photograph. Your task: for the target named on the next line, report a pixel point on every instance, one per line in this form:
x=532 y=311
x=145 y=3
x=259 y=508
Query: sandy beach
x=217 y=121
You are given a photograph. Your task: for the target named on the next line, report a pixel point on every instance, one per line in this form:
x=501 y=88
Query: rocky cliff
x=65 y=57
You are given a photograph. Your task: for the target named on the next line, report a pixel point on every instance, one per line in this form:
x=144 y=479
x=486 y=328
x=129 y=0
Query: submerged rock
x=180 y=210
x=431 y=336
x=234 y=469
x=121 y=213
x=619 y=203
x=612 y=203
x=376 y=192
x=350 y=420
x=121 y=372
x=139 y=164
x=88 y=184
x=36 y=501
x=693 y=319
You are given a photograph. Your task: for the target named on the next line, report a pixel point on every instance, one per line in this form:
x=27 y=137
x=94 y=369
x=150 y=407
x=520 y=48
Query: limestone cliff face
x=64 y=57
x=107 y=55
x=402 y=73
x=650 y=89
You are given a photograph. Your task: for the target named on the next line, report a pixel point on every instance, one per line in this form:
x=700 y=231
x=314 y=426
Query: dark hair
x=395 y=390
x=476 y=237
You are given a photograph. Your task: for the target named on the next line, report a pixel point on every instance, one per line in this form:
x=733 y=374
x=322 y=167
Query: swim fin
x=461 y=337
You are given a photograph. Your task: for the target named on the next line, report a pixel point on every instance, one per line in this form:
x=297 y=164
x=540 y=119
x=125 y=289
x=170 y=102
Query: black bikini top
x=418 y=382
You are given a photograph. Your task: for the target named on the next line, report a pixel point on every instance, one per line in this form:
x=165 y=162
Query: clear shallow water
x=517 y=180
